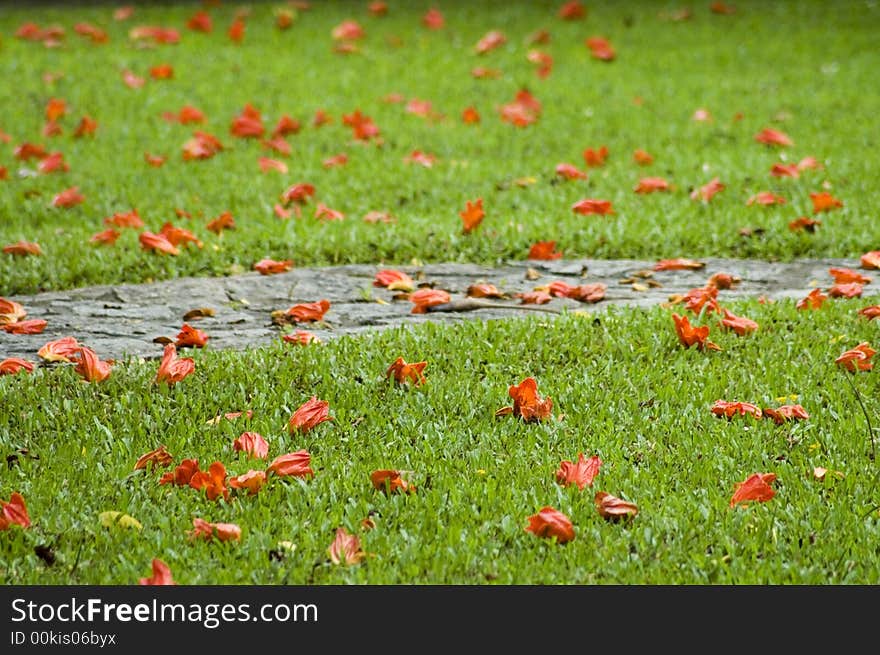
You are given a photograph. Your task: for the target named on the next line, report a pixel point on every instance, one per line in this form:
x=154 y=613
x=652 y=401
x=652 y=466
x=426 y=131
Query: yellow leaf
x=380 y=301
x=112 y=519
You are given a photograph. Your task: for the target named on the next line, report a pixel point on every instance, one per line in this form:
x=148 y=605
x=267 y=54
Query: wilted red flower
x=182 y=473
x=580 y=473
x=286 y=125
x=484 y=290
x=804 y=223
x=187 y=114
x=614 y=508
x=722 y=281
x=23 y=248
x=725 y=409
x=848 y=275
x=689 y=335
x=524 y=110
x=847 y=290
x=600 y=48
x=200 y=22
x=544 y=61
x=131 y=80
x=224 y=221
x=570 y=172
x=433 y=19
x=348 y=30
x=253 y=444
x=325 y=213
x=766 y=198
x=236 y=30
x=178 y=235
x=157 y=457
x=268 y=266
x=785 y=170
x=59 y=350
x=425 y=298
x=154 y=160
x=53 y=162
x=11 y=311
x=678 y=264
x=363 y=128
x=708 y=190
x=858 y=358
x=472 y=215
x=162 y=72
x=311 y=413
x=403 y=372
x=345 y=549
x=592 y=206
x=773 y=137
x=90 y=367
x=248 y=124
x=252 y=481
x=86 y=126
x=190 y=337
x=161 y=575
x=336 y=160
x=425 y=159
x=490 y=41
x=68 y=198
x=393 y=280
x=651 y=184
x=13 y=365
x=267 y=165
x=573 y=10
x=294 y=464
x=28 y=151
x=551 y=523
x=299 y=193
x=212 y=481
x=161 y=35
x=30 y=326
x=824 y=201
x=320 y=118
x=390 y=481
x=14 y=512
x=157 y=243
x=96 y=34
x=813 y=300
x=588 y=292
x=754 y=488
x=107 y=237
x=544 y=250
x=125 y=219
x=208 y=531
x=470 y=115
x=534 y=297
x=301 y=337
x=871 y=312
x=308 y=312
x=202 y=145
x=786 y=413
x=739 y=324
x=870 y=260
x=55 y=109
x=172 y=369
x=527 y=404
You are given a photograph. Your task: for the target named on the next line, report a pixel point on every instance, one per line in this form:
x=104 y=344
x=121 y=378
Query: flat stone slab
x=120 y=321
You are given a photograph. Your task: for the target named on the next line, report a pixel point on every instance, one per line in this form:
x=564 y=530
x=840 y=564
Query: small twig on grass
x=471 y=304
x=867 y=417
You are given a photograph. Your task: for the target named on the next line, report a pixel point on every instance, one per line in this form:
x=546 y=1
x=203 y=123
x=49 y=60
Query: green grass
x=622 y=387
x=801 y=67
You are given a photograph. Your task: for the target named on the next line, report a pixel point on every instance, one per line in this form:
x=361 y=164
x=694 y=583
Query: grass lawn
x=803 y=68
x=623 y=388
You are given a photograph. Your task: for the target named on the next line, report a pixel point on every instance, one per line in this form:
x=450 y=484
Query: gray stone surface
x=123 y=320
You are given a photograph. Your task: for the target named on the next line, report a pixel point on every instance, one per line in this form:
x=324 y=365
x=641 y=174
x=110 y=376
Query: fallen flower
x=268 y=266
x=311 y=413
x=60 y=350
x=678 y=264
x=293 y=464
x=527 y=404
x=772 y=137
x=390 y=481
x=253 y=444
x=786 y=413
x=425 y=298
x=403 y=372
x=161 y=575
x=580 y=473
x=212 y=481
x=156 y=457
x=739 y=324
x=725 y=409
x=252 y=481
x=472 y=215
x=858 y=358
x=29 y=326
x=308 y=312
x=14 y=512
x=90 y=367
x=689 y=335
x=173 y=369
x=23 y=248
x=812 y=300
x=13 y=365
x=345 y=548
x=190 y=337
x=550 y=523
x=754 y=488
x=824 y=202
x=613 y=508
x=208 y=531
x=393 y=280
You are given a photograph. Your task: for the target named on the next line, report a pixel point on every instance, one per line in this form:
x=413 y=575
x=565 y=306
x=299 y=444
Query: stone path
x=123 y=320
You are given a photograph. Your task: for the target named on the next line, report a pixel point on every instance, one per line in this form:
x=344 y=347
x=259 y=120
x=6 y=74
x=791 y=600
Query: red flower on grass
x=725 y=409
x=527 y=404
x=403 y=372
x=190 y=337
x=90 y=367
x=858 y=358
x=613 y=508
x=754 y=488
x=13 y=365
x=772 y=137
x=253 y=444
x=60 y=350
x=739 y=324
x=393 y=280
x=172 y=369
x=212 y=481
x=812 y=300
x=14 y=512
x=592 y=206
x=209 y=531
x=161 y=575
x=824 y=202
x=580 y=473
x=390 y=481
x=472 y=215
x=345 y=548
x=425 y=298
x=690 y=335
x=273 y=267
x=308 y=312
x=785 y=413
x=311 y=413
x=252 y=481
x=295 y=464
x=544 y=250
x=550 y=523
x=158 y=457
